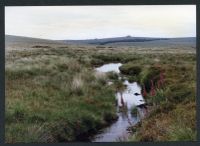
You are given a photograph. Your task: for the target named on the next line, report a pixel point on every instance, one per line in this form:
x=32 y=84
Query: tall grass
x=77 y=85
x=55 y=98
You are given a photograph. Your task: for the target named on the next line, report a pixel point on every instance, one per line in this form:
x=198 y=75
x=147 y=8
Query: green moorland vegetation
x=54 y=95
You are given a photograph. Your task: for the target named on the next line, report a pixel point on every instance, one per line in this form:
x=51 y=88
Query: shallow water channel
x=118 y=130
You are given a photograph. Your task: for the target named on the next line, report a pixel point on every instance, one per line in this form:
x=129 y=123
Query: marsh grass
x=174 y=103
x=54 y=98
x=130 y=69
x=54 y=95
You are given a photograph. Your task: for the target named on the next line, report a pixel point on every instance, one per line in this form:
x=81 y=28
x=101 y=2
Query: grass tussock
x=130 y=69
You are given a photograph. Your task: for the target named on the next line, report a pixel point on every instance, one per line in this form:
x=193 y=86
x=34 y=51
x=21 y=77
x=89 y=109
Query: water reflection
x=109 y=67
x=129 y=95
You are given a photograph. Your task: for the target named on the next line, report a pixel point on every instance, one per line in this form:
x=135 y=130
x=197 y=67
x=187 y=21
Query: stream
x=118 y=130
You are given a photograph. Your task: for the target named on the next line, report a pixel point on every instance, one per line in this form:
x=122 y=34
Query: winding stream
x=118 y=130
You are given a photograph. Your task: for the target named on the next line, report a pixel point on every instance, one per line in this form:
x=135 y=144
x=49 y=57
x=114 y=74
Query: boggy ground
x=54 y=95
x=173 y=110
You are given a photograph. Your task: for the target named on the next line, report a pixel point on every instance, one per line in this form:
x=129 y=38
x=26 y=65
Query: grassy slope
x=52 y=94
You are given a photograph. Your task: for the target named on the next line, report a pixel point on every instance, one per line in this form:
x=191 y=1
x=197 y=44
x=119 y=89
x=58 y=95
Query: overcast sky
x=85 y=22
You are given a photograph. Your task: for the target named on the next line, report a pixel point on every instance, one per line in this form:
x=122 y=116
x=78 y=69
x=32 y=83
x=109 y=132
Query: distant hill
x=135 y=41
x=117 y=41
x=9 y=39
x=105 y=41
